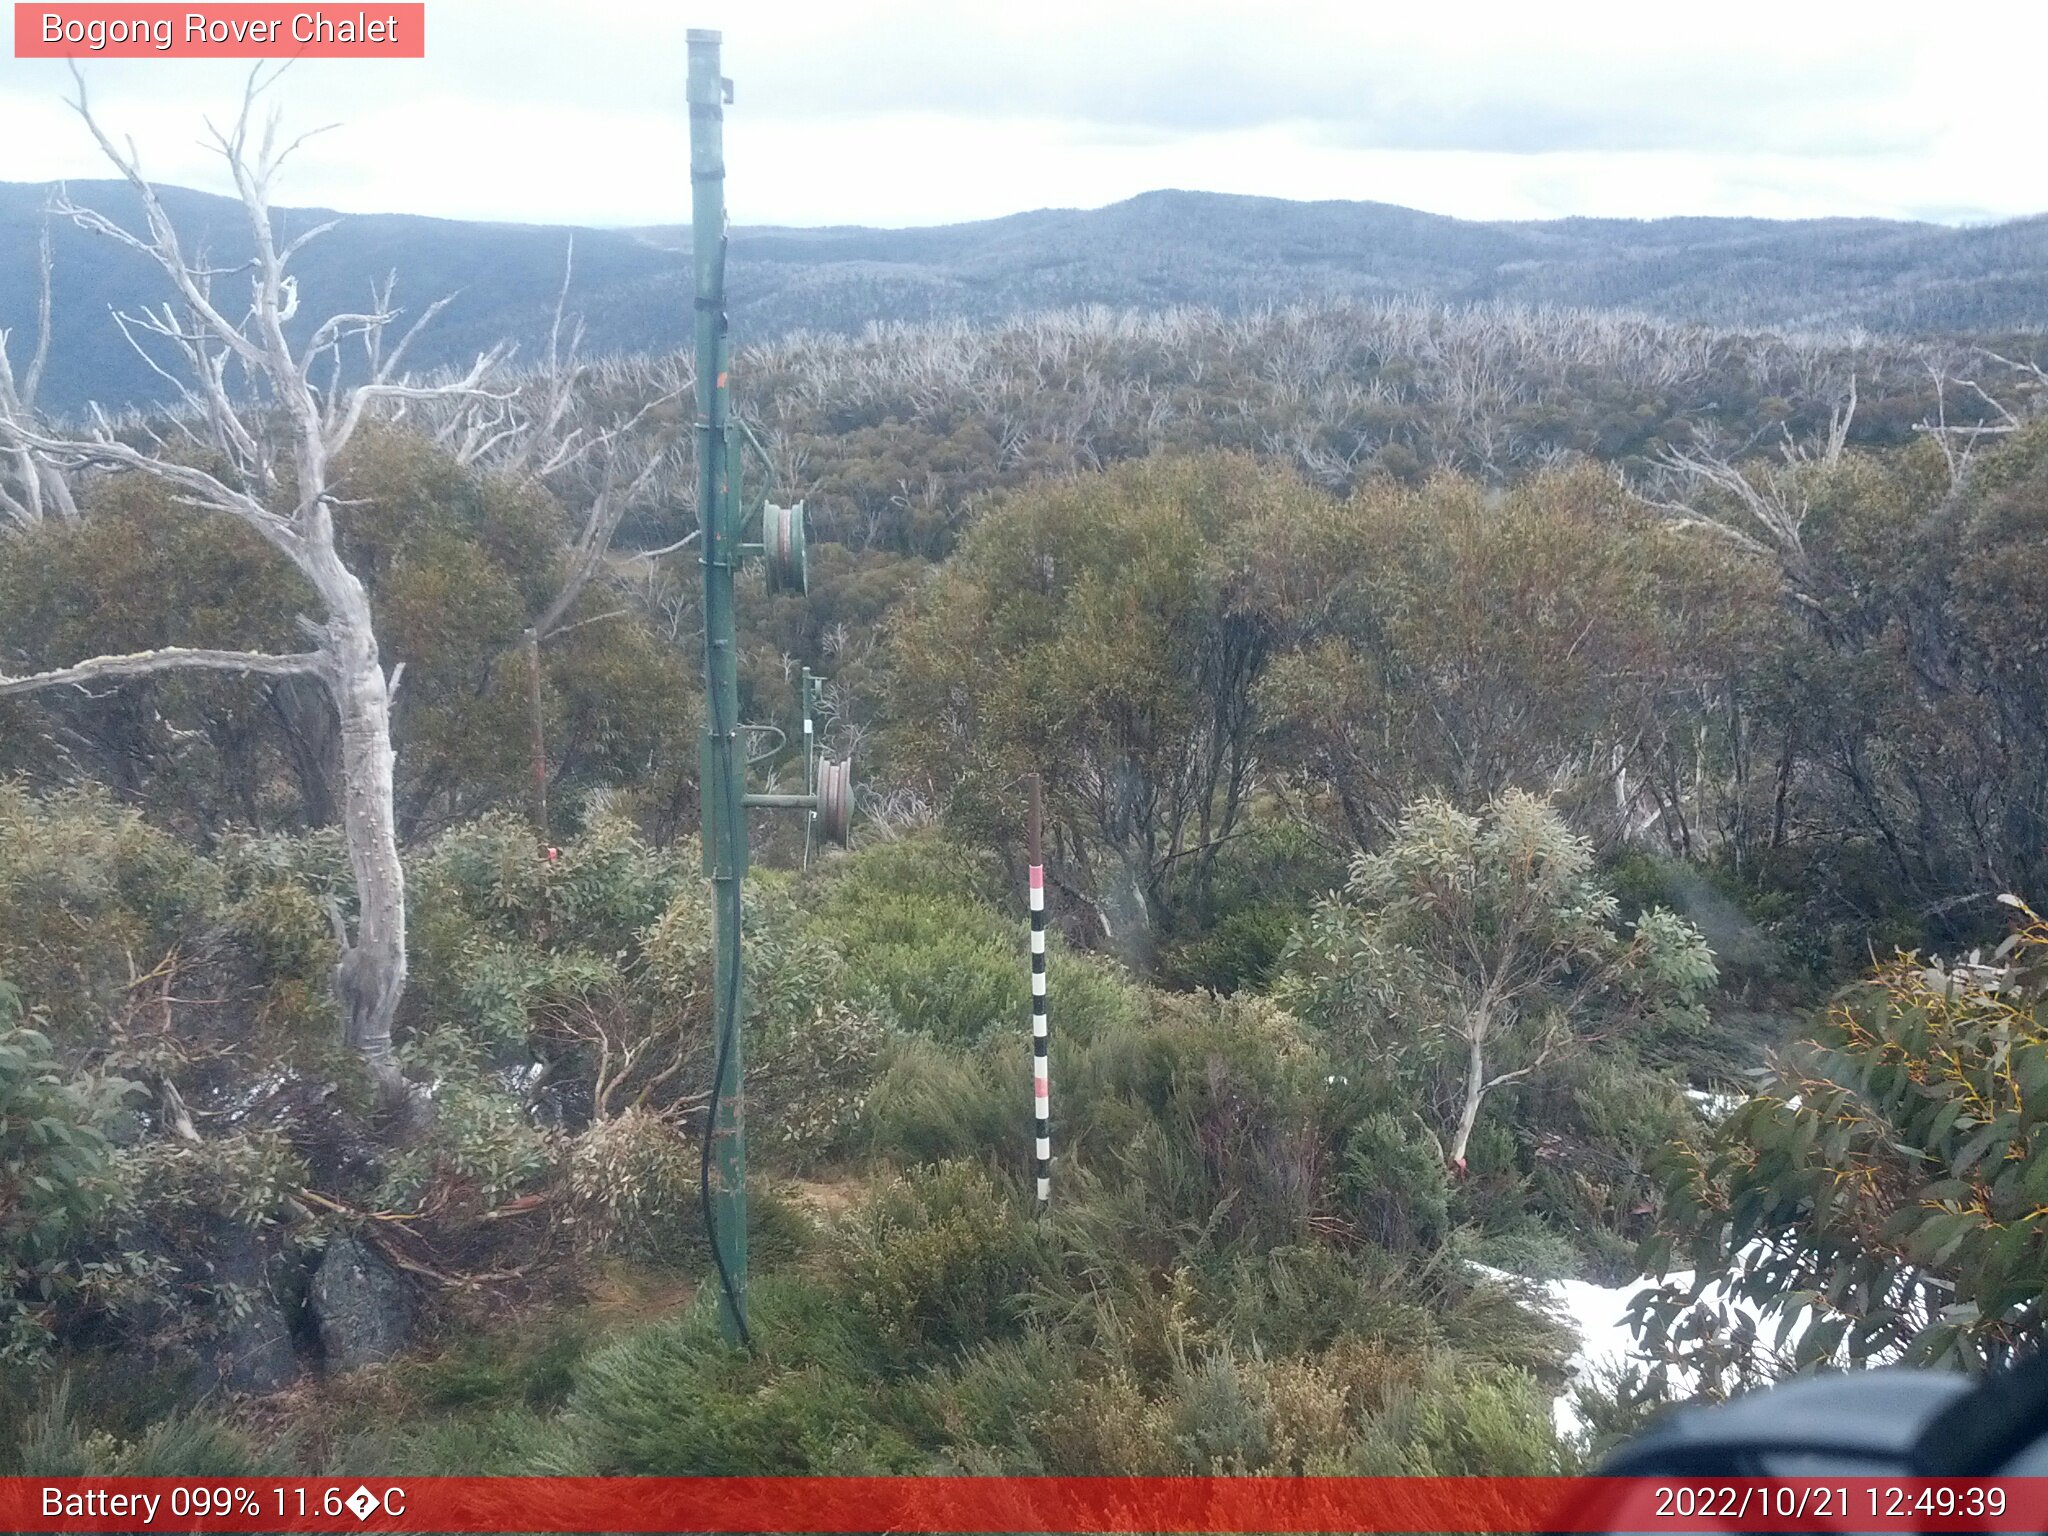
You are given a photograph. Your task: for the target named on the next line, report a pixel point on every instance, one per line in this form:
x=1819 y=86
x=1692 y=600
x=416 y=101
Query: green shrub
x=1242 y=949
x=1501 y=1324
x=1089 y=997
x=925 y=865
x=1391 y=1186
x=1303 y=1299
x=989 y=1406
x=931 y=1101
x=480 y=1138
x=675 y=1399
x=1260 y=889
x=90 y=898
x=1531 y=1250
x=52 y=1443
x=940 y=1261
x=533 y=1366
x=926 y=939
x=491 y=1442
x=811 y=1080
x=633 y=1178
x=1228 y=1084
x=942 y=969
x=1222 y=1419
x=1464 y=1420
x=1106 y=1427
x=55 y=1177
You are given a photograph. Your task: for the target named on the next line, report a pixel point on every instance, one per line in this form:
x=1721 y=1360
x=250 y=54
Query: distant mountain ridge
x=1152 y=251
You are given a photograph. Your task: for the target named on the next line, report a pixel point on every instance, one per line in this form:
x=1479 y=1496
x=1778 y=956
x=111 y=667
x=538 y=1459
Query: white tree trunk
x=1475 y=1090
x=300 y=424
x=371 y=976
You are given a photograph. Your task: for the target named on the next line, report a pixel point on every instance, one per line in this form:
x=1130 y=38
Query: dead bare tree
x=29 y=489
x=1759 y=507
x=1960 y=440
x=273 y=417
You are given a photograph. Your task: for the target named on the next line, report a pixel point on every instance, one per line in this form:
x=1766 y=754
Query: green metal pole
x=720 y=785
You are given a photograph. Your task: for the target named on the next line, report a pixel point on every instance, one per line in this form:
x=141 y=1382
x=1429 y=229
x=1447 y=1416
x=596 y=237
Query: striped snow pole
x=1041 y=1037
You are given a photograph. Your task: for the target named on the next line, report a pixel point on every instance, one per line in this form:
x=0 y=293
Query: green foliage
x=819 y=1072
x=501 y=1442
x=675 y=1399
x=535 y=1367
x=141 y=571
x=1241 y=949
x=633 y=1177
x=1462 y=1423
x=487 y=882
x=1530 y=1250
x=1392 y=1189
x=1108 y=615
x=1886 y=1186
x=245 y=1177
x=1247 y=904
x=598 y=963
x=481 y=1139
x=939 y=1261
x=91 y=897
x=54 y=1177
x=940 y=968
x=1396 y=685
x=930 y=1102
x=52 y=1443
x=1587 y=1142
x=1472 y=951
x=457 y=565
x=1231 y=679
x=1206 y=1108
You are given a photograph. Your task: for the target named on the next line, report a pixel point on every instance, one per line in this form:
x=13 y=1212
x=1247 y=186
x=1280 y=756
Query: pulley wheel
x=835 y=800
x=782 y=538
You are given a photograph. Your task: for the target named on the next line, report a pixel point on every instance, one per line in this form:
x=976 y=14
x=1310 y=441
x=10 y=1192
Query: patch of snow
x=1597 y=1314
x=1714 y=1103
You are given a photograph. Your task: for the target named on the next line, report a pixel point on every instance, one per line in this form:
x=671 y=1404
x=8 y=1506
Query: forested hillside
x=1515 y=779
x=1164 y=249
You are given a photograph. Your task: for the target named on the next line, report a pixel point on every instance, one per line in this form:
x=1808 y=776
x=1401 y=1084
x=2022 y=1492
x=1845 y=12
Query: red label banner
x=1003 y=1504
x=232 y=31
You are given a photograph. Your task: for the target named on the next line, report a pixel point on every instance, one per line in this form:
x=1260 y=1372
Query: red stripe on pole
x=1038 y=877
x=996 y=1504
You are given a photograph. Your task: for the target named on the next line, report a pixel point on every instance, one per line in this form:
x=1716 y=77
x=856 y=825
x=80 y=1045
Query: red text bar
x=239 y=31
x=1003 y=1504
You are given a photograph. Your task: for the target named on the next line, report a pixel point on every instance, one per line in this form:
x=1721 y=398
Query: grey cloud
x=1199 y=67
x=1454 y=95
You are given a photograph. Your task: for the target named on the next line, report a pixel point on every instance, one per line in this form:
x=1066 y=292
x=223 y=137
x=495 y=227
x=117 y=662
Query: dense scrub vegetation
x=1156 y=251
x=1453 y=755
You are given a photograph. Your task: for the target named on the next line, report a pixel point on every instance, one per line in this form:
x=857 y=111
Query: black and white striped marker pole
x=1041 y=1038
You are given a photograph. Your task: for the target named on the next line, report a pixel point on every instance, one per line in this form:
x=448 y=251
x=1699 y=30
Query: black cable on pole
x=725 y=1280
x=729 y=934
x=725 y=924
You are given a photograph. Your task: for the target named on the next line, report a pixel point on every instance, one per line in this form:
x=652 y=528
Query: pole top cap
x=703 y=35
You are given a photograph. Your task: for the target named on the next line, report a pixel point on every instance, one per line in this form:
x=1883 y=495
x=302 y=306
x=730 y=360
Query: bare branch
x=32 y=381
x=668 y=549
x=175 y=658
x=595 y=541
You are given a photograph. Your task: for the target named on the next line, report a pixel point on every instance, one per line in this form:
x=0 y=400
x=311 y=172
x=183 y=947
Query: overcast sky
x=928 y=111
